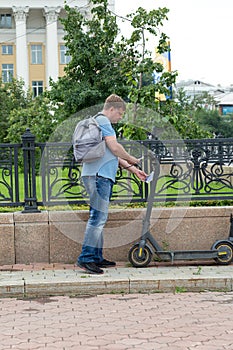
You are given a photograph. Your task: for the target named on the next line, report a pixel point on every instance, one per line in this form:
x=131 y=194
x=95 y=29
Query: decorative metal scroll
x=63 y=181
x=194 y=169
x=6 y=190
x=62 y=177
x=188 y=170
x=9 y=189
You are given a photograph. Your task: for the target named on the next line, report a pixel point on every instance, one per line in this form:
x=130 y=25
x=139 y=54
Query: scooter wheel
x=139 y=261
x=225 y=253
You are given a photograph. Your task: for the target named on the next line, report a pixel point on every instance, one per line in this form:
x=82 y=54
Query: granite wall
x=56 y=236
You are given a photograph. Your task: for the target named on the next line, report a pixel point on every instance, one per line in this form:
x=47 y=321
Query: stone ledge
x=12 y=289
x=154 y=279
x=6 y=218
x=56 y=237
x=181 y=285
x=191 y=212
x=82 y=287
x=31 y=217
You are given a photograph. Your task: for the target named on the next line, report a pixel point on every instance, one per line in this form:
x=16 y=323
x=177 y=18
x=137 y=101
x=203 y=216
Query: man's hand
x=140 y=174
x=133 y=169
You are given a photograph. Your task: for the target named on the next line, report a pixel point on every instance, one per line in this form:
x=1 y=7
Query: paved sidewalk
x=59 y=307
x=183 y=321
x=54 y=279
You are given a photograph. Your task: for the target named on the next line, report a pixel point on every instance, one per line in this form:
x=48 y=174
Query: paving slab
x=157 y=321
x=51 y=280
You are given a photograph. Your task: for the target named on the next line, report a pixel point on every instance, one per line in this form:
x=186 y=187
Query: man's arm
x=133 y=169
x=118 y=150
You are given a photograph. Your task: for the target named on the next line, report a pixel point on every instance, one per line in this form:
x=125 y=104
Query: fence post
x=30 y=199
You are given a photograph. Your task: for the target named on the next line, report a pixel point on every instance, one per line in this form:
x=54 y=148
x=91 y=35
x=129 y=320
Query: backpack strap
x=98 y=114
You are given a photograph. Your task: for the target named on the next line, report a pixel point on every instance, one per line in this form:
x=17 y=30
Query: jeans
x=99 y=190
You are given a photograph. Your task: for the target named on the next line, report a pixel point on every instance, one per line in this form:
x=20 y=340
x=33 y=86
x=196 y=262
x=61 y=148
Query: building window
x=64 y=59
x=36 y=54
x=7 y=72
x=37 y=88
x=5 y=21
x=7 y=49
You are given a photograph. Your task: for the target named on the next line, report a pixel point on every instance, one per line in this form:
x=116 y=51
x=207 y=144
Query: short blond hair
x=114 y=101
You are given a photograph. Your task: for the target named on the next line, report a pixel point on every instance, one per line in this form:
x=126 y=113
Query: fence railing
x=43 y=174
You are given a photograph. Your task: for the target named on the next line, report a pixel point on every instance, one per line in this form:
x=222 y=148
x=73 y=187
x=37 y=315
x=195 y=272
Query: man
x=98 y=178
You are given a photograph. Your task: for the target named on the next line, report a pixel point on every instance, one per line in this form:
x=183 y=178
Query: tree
x=139 y=65
x=36 y=115
x=216 y=124
x=12 y=96
x=202 y=112
x=102 y=63
x=169 y=121
x=93 y=71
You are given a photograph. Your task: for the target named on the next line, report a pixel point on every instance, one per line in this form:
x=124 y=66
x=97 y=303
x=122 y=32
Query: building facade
x=32 y=47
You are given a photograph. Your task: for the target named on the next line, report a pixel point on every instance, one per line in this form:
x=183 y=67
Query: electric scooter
x=141 y=253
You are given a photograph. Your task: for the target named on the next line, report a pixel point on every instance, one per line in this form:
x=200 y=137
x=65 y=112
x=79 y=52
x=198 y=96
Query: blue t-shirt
x=106 y=166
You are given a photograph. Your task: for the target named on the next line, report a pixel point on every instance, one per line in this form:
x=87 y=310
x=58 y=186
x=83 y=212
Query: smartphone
x=150 y=177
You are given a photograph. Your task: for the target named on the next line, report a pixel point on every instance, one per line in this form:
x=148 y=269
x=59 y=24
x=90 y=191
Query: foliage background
x=104 y=62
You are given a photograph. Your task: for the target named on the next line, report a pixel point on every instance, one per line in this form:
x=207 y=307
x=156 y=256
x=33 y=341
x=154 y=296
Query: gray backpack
x=88 y=143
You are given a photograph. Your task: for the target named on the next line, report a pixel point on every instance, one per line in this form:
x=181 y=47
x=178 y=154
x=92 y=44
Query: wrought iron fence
x=43 y=174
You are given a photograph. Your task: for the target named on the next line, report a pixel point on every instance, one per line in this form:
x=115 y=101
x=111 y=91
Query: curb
x=75 y=282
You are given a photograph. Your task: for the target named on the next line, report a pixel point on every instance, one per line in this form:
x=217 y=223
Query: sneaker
x=90 y=267
x=106 y=263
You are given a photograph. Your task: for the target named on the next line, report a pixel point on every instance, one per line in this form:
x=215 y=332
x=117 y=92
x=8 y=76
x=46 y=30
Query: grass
x=199 y=270
x=74 y=207
x=170 y=196
x=180 y=290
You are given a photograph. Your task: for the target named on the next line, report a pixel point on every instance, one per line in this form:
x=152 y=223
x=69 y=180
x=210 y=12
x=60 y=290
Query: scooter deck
x=187 y=255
